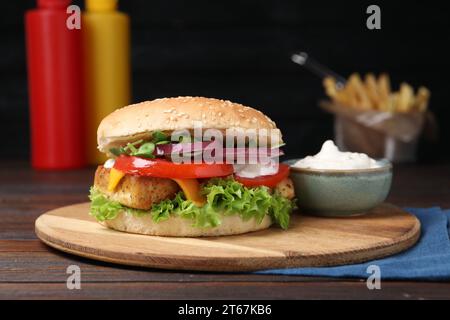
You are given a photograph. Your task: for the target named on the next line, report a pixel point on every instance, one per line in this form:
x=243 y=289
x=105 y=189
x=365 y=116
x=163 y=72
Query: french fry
x=384 y=90
x=405 y=98
x=372 y=90
x=331 y=90
x=348 y=96
x=422 y=98
x=376 y=94
x=330 y=86
x=357 y=88
x=392 y=102
x=341 y=97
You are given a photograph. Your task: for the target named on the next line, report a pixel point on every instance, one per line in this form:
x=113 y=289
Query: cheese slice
x=114 y=178
x=191 y=189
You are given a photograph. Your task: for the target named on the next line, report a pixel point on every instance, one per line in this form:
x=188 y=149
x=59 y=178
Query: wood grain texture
x=310 y=241
x=228 y=290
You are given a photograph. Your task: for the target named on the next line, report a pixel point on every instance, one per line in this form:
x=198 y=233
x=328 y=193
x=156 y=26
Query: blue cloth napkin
x=429 y=259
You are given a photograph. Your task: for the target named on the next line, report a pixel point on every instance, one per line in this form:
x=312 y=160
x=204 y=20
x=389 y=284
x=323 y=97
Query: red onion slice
x=235 y=153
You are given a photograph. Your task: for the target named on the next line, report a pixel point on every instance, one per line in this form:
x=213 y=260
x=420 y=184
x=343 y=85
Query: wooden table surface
x=31 y=270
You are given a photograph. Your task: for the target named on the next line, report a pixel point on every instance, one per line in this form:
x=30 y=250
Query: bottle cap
x=53 y=4
x=101 y=5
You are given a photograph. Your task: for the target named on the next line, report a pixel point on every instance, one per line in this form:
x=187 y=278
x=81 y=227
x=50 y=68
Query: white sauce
x=255 y=170
x=109 y=163
x=330 y=157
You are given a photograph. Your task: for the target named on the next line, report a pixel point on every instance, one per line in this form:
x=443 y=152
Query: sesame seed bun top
x=168 y=114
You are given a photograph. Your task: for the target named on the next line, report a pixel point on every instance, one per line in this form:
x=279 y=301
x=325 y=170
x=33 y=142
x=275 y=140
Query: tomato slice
x=161 y=168
x=269 y=181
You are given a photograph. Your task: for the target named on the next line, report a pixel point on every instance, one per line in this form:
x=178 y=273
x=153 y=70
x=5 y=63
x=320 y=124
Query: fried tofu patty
x=135 y=191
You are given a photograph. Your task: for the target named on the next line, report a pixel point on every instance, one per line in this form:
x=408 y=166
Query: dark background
x=240 y=50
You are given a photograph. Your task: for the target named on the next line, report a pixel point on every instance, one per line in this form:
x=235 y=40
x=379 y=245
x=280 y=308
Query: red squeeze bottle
x=54 y=81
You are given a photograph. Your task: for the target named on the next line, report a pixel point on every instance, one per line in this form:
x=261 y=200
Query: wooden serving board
x=310 y=241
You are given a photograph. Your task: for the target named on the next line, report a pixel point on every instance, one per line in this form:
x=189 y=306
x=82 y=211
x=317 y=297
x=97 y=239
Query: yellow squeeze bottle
x=106 y=60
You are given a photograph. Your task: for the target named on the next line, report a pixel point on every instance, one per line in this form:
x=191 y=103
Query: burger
x=190 y=167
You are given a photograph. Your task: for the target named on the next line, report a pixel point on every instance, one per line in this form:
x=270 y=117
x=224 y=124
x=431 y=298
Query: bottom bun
x=182 y=227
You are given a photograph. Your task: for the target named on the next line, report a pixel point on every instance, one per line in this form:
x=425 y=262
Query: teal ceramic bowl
x=334 y=193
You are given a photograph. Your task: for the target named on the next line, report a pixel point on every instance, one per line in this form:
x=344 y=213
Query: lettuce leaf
x=224 y=197
x=101 y=208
